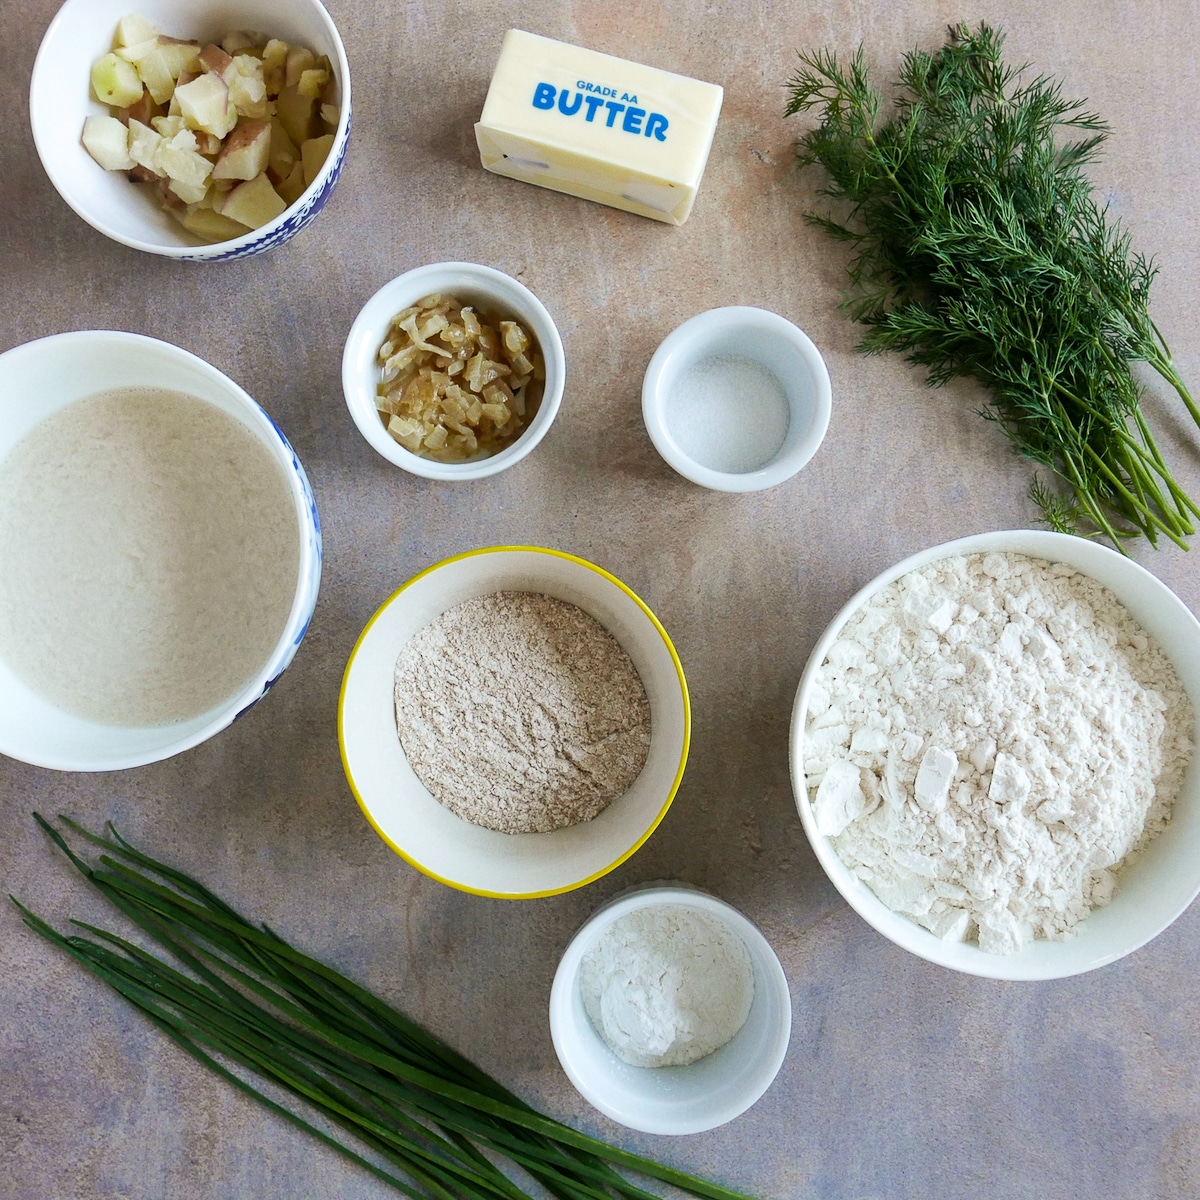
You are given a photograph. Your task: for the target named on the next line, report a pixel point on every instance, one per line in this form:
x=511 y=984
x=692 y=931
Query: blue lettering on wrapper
x=545 y=95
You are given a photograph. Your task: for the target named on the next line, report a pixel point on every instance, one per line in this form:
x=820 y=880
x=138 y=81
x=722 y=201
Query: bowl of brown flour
x=514 y=722
x=993 y=754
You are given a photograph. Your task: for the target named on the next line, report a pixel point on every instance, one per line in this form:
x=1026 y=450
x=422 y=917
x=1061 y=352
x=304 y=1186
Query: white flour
x=667 y=985
x=988 y=740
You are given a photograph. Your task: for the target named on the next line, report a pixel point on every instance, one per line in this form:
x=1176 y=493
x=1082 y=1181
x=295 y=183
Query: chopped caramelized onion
x=456 y=384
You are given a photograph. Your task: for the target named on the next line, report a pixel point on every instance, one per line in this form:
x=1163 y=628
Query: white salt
x=728 y=413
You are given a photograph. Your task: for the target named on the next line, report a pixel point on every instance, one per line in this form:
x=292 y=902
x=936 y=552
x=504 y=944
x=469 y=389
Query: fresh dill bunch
x=979 y=250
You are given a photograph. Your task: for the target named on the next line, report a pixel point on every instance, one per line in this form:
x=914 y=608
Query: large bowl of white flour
x=160 y=551
x=992 y=754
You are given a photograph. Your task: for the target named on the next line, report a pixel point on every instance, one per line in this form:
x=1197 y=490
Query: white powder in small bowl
x=728 y=413
x=665 y=986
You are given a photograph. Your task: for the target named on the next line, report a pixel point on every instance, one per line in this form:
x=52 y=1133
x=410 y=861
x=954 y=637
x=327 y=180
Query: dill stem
x=1123 y=491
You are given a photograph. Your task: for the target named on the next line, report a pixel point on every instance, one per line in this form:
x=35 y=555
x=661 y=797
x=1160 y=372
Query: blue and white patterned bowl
x=60 y=99
x=42 y=377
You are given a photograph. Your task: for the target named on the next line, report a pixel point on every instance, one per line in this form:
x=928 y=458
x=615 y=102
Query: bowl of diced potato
x=178 y=129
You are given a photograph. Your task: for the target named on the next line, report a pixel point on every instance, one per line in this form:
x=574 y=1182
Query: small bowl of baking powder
x=737 y=399
x=514 y=722
x=670 y=1012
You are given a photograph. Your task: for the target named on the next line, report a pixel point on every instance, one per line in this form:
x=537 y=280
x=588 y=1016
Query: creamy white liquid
x=149 y=550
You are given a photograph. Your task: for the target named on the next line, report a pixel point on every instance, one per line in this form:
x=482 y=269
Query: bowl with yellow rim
x=429 y=836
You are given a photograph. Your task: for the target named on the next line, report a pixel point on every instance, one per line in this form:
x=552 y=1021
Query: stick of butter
x=598 y=127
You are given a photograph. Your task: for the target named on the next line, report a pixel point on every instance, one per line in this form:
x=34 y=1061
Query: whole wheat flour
x=667 y=985
x=988 y=741
x=521 y=712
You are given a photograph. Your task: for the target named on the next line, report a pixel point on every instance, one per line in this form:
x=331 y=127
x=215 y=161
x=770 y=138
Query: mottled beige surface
x=902 y=1080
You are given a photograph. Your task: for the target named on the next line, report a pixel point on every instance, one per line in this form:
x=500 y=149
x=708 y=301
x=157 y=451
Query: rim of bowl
x=205 y=251
x=566 y=980
x=683 y=756
x=991 y=966
x=308 y=566
x=689 y=341
x=360 y=371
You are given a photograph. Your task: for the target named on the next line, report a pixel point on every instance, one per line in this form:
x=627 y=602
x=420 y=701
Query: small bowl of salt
x=736 y=399
x=670 y=1012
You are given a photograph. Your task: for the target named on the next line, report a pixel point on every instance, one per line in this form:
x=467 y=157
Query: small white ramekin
x=773 y=342
x=484 y=287
x=673 y=1100
x=60 y=98
x=36 y=381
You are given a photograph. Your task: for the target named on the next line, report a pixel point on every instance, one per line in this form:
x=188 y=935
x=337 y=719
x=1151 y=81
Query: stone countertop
x=903 y=1079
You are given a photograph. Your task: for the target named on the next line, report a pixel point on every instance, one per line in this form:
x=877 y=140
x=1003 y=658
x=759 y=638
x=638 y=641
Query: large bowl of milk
x=160 y=551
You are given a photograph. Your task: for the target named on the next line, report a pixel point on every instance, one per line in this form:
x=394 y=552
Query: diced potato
x=295 y=113
x=292 y=188
x=177 y=159
x=209 y=225
x=200 y=122
x=134 y=52
x=246 y=151
x=313 y=154
x=205 y=105
x=143 y=145
x=283 y=153
x=179 y=56
x=312 y=82
x=253 y=203
x=240 y=39
x=143 y=109
x=274 y=61
x=189 y=193
x=107 y=141
x=132 y=29
x=299 y=60
x=115 y=81
x=246 y=87
x=168 y=127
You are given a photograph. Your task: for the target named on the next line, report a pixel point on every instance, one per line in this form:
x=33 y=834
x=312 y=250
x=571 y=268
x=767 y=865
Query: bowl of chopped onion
x=453 y=371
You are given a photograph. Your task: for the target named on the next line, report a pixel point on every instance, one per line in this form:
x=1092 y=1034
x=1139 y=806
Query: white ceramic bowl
x=432 y=838
x=1152 y=891
x=768 y=340
x=484 y=287
x=36 y=380
x=60 y=98
x=673 y=1100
